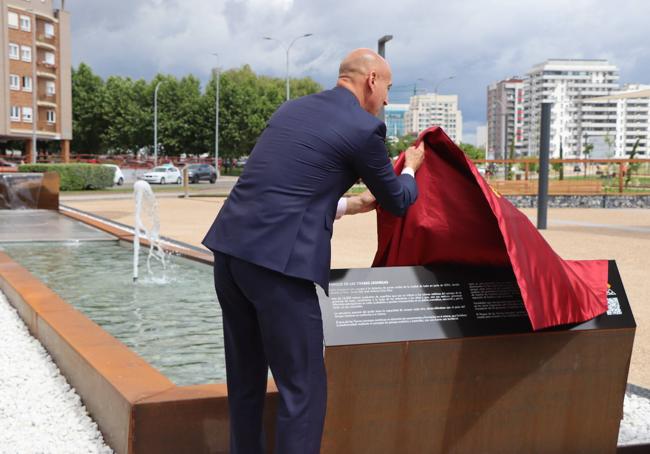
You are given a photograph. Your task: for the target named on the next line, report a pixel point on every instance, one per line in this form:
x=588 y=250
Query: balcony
x=48 y=104
x=45 y=45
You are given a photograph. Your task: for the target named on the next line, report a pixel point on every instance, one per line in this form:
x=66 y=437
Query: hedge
x=76 y=177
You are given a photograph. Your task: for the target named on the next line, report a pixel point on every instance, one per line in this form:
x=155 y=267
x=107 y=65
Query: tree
x=247 y=102
x=182 y=124
x=117 y=115
x=87 y=113
x=127 y=116
x=401 y=144
x=472 y=152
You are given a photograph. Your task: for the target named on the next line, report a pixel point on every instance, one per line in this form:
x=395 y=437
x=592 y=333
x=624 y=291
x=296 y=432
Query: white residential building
x=576 y=117
x=632 y=121
x=435 y=110
x=505 y=114
x=481 y=136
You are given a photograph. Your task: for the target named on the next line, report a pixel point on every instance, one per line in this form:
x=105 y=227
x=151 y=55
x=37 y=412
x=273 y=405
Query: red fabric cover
x=459 y=218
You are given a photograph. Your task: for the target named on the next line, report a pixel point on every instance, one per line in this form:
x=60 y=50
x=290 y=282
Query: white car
x=118 y=178
x=163 y=175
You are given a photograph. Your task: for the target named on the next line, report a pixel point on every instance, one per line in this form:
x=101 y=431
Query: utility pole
x=381 y=50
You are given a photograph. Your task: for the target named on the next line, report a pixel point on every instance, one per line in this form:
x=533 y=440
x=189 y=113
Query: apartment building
x=435 y=110
x=632 y=121
x=36 y=96
x=578 y=115
x=505 y=114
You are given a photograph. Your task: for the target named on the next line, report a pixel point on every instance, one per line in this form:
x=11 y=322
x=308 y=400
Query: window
x=51 y=116
x=27 y=114
x=50 y=88
x=25 y=24
x=12 y=20
x=49 y=30
x=27 y=83
x=15 y=113
x=25 y=53
x=49 y=58
x=14 y=82
x=14 y=51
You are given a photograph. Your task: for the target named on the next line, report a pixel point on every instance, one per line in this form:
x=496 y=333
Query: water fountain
x=145 y=203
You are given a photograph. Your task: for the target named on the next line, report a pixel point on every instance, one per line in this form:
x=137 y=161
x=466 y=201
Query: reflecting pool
x=172 y=319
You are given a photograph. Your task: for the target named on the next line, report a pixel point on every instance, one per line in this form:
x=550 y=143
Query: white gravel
x=39 y=411
x=635 y=427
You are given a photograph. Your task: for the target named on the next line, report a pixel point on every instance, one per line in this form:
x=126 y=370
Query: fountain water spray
x=145 y=200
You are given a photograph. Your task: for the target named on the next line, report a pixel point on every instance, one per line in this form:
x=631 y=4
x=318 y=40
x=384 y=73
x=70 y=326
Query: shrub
x=76 y=177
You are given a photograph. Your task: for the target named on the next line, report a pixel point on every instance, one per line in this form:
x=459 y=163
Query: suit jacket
x=280 y=213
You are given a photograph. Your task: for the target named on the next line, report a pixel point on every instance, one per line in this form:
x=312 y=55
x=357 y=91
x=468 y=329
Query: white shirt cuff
x=341 y=207
x=408 y=171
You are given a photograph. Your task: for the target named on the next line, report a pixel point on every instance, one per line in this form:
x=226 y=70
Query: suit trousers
x=271 y=320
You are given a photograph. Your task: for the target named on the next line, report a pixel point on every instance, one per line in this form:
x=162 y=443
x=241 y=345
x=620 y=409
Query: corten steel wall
x=137 y=408
x=553 y=392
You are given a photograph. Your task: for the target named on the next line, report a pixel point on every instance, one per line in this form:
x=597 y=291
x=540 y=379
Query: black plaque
x=392 y=304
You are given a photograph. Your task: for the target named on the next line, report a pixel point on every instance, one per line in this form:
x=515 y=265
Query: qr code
x=613 y=306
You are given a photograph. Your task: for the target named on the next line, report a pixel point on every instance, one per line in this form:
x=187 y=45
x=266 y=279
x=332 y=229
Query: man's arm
x=366 y=201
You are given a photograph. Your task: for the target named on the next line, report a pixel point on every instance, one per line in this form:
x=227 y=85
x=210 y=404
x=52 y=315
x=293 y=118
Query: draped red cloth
x=459 y=218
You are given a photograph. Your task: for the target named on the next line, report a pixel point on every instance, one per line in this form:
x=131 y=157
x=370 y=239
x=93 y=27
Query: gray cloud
x=477 y=42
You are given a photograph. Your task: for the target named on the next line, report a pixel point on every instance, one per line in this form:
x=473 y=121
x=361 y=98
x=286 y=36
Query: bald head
x=367 y=75
x=360 y=63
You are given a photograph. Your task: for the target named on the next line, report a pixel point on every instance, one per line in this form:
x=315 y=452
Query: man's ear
x=372 y=80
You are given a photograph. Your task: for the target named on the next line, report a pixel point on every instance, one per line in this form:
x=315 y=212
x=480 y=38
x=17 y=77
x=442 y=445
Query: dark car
x=198 y=172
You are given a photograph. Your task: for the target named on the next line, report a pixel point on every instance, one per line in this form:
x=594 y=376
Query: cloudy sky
x=476 y=41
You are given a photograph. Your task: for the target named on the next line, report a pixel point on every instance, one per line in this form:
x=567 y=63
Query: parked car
x=163 y=175
x=5 y=163
x=241 y=162
x=118 y=178
x=198 y=172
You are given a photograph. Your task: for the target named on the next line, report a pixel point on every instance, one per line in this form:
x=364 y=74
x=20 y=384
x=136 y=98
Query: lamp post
x=381 y=50
x=155 y=124
x=381 y=45
x=217 y=76
x=288 y=48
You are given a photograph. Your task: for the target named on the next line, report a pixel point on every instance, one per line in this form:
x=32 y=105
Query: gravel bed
x=39 y=411
x=635 y=427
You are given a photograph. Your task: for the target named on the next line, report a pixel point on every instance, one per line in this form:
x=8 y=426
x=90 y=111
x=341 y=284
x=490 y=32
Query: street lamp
x=288 y=48
x=381 y=50
x=217 y=75
x=155 y=124
x=381 y=45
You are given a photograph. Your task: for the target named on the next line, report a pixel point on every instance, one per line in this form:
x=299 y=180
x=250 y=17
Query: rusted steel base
x=552 y=392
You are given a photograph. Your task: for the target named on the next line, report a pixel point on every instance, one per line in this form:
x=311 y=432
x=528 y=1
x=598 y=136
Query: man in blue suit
x=271 y=244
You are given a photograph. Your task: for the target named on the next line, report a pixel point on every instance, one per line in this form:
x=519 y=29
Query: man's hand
x=414 y=157
x=361 y=203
